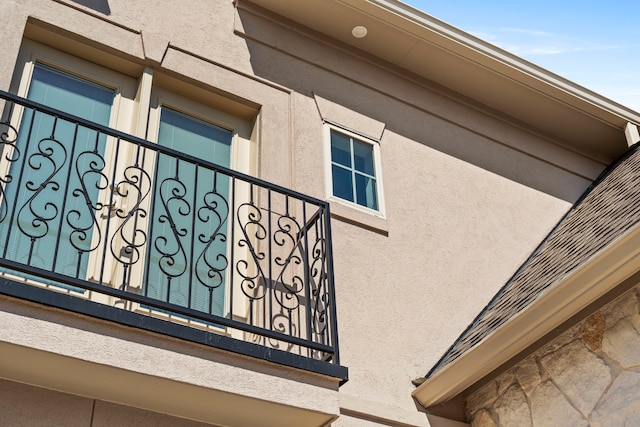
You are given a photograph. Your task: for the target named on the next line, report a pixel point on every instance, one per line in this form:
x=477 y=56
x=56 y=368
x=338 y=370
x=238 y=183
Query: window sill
x=353 y=214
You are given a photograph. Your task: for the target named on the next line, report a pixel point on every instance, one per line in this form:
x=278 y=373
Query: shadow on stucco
x=417 y=119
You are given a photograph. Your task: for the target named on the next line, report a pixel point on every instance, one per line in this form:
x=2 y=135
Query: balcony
x=108 y=225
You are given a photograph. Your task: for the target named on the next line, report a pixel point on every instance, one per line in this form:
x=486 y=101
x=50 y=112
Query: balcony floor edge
x=120 y=316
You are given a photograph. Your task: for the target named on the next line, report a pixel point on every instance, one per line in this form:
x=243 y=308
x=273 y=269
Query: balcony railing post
x=330 y=279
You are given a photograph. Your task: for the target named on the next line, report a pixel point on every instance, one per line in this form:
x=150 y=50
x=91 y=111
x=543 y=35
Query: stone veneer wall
x=588 y=376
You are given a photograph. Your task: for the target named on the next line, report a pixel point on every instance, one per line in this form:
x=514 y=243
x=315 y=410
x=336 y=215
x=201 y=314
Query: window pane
x=366 y=191
x=363 y=157
x=340 y=149
x=57 y=158
x=189 y=267
x=353 y=159
x=194 y=137
x=342 y=184
x=71 y=95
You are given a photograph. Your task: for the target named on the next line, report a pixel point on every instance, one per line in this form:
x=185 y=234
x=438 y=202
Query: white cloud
x=528 y=42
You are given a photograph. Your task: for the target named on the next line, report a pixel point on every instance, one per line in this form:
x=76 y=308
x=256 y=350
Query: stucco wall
x=468 y=192
x=83 y=356
x=460 y=212
x=588 y=376
x=24 y=405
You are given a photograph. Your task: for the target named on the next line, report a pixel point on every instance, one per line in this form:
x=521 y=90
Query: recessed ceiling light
x=359 y=31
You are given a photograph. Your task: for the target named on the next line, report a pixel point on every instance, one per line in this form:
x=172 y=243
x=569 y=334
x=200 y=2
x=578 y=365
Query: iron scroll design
x=85 y=207
x=130 y=237
x=84 y=223
x=286 y=236
x=173 y=258
x=251 y=270
x=39 y=211
x=10 y=154
x=318 y=282
x=214 y=211
x=286 y=274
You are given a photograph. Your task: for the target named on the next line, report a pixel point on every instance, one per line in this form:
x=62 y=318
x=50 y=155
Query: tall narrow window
x=188 y=260
x=51 y=223
x=353 y=170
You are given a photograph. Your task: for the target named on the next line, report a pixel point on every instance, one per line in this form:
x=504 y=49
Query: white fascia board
x=584 y=286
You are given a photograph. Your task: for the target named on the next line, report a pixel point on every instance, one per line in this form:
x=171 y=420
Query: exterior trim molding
x=584 y=286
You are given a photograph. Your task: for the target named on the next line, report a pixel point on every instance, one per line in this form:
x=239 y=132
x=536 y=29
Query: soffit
x=429 y=48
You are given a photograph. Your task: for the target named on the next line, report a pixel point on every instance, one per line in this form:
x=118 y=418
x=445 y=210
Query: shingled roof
x=604 y=213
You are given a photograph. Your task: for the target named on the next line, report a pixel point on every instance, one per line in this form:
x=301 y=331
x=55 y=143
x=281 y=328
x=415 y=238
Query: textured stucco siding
x=25 y=405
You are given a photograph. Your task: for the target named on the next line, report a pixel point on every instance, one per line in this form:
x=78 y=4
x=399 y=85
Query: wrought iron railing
x=104 y=216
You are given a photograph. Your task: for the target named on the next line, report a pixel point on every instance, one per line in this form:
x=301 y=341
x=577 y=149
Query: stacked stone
x=588 y=376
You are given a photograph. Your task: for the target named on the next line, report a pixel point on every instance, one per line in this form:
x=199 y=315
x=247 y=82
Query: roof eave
x=492 y=78
x=457 y=41
x=584 y=286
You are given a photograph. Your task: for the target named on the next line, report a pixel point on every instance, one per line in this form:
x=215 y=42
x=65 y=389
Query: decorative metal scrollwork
x=292 y=285
x=129 y=237
x=88 y=211
x=250 y=218
x=318 y=277
x=11 y=153
x=85 y=223
x=214 y=212
x=8 y=133
x=35 y=214
x=173 y=260
x=283 y=323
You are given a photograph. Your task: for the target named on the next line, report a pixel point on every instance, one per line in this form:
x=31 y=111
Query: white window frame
x=375 y=144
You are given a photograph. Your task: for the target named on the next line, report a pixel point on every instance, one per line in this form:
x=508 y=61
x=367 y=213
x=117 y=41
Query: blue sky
x=595 y=43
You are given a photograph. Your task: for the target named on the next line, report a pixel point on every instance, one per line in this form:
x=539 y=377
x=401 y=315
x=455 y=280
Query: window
x=190 y=266
x=40 y=168
x=207 y=142
x=81 y=98
x=94 y=207
x=354 y=169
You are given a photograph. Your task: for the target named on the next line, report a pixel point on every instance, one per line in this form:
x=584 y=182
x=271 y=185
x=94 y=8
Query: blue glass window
x=353 y=170
x=188 y=251
x=53 y=158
